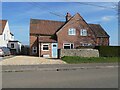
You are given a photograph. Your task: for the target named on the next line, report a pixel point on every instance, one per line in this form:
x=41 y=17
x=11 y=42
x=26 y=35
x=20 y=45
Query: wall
x=33 y=43
x=7 y=34
x=17 y=46
x=41 y=52
x=102 y=41
x=79 y=52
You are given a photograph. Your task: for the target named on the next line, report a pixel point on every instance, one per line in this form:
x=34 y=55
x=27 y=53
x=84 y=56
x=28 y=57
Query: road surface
x=81 y=78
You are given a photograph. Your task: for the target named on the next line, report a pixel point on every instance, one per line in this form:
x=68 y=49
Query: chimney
x=68 y=16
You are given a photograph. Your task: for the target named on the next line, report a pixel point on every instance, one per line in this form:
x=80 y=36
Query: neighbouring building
x=7 y=38
x=47 y=36
x=15 y=47
x=5 y=33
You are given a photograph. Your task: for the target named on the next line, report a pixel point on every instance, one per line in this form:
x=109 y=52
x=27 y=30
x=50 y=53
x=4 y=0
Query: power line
x=43 y=7
x=91 y=4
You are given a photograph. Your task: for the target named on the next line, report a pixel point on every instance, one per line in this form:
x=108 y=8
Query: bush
x=108 y=51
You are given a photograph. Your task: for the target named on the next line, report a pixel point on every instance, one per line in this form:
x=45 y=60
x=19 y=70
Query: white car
x=1 y=52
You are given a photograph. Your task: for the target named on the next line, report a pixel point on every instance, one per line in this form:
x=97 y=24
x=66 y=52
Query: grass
x=77 y=59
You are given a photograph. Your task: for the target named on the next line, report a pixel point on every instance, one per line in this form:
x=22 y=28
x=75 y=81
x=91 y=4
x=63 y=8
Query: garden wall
x=79 y=52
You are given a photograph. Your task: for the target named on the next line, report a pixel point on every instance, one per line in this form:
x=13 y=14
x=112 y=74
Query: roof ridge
x=47 y=20
x=93 y=24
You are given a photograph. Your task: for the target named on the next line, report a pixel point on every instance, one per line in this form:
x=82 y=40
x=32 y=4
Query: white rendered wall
x=17 y=46
x=8 y=36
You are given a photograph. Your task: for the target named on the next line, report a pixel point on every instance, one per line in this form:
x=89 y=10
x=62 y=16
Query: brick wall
x=49 y=52
x=103 y=41
x=63 y=37
x=79 y=52
x=33 y=43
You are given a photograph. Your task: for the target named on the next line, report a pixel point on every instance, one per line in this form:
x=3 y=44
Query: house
x=5 y=33
x=47 y=36
x=7 y=38
x=15 y=47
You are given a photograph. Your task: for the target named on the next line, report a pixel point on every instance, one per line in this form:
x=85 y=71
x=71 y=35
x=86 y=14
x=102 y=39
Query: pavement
x=0 y=58
x=57 y=67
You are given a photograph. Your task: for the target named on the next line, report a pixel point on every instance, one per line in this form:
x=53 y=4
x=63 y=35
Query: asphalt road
x=82 y=78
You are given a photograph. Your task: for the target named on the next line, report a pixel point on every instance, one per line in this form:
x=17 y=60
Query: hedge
x=108 y=51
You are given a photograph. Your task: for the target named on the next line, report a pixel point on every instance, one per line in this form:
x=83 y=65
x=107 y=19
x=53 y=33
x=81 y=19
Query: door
x=54 y=50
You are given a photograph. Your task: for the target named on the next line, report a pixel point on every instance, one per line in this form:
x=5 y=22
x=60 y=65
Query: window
x=45 y=47
x=34 y=50
x=54 y=46
x=83 y=32
x=12 y=45
x=68 y=46
x=72 y=31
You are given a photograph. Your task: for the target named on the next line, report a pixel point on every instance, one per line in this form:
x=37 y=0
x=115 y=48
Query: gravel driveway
x=29 y=60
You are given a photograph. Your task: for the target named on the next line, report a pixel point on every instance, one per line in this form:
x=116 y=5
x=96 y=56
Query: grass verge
x=77 y=59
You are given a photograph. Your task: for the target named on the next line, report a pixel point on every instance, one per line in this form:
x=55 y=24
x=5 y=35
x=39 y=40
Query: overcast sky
x=18 y=15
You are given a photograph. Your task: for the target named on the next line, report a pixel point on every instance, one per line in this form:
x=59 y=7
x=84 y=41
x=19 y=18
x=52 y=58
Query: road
x=81 y=78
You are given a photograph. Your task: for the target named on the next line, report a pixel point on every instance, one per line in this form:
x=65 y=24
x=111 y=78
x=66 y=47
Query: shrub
x=108 y=51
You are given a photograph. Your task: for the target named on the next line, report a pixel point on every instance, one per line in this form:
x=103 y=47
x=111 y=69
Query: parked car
x=4 y=51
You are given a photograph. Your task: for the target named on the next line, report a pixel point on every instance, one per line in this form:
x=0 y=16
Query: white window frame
x=68 y=45
x=71 y=31
x=34 y=48
x=43 y=46
x=83 y=32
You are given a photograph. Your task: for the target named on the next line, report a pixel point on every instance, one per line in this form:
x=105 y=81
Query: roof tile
x=44 y=27
x=2 y=25
x=46 y=39
x=98 y=30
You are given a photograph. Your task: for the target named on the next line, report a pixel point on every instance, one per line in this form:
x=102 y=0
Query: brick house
x=47 y=36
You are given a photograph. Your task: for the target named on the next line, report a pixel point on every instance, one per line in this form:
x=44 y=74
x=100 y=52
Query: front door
x=54 y=50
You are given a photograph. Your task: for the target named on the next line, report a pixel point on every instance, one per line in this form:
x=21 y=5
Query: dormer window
x=72 y=31
x=83 y=32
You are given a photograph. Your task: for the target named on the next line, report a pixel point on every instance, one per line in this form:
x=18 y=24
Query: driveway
x=0 y=58
x=29 y=60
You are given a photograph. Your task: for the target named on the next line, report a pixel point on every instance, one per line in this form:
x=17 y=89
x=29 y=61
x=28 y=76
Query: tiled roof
x=44 y=27
x=46 y=39
x=98 y=30
x=49 y=27
x=2 y=25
